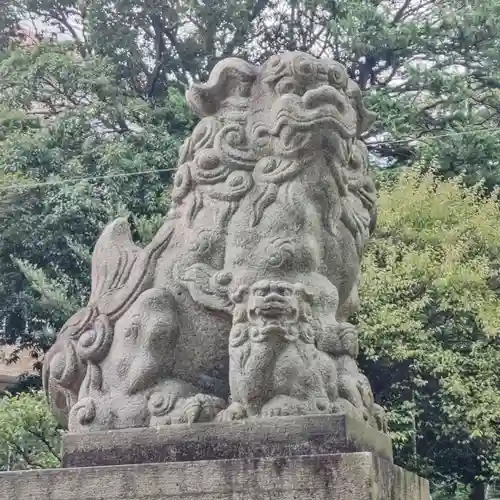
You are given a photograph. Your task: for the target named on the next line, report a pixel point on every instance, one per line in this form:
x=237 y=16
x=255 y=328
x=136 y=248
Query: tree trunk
x=478 y=492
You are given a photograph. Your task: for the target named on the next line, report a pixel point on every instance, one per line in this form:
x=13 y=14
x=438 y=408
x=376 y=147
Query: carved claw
x=282 y=406
x=235 y=411
x=374 y=416
x=201 y=408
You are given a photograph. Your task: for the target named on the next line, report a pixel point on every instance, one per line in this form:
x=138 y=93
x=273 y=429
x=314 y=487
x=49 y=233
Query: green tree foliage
x=429 y=68
x=60 y=119
x=29 y=437
x=100 y=94
x=102 y=101
x=430 y=320
x=443 y=493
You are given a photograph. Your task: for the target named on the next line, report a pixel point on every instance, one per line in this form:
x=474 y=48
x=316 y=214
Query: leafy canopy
x=94 y=91
x=29 y=436
x=430 y=317
x=102 y=100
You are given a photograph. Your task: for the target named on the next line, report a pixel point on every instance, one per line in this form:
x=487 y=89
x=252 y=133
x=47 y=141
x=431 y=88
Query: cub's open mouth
x=274 y=309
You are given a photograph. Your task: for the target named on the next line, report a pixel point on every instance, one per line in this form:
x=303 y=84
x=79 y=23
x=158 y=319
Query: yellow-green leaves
x=443 y=235
x=430 y=323
x=29 y=437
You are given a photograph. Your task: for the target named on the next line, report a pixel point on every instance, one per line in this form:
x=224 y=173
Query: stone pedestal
x=306 y=458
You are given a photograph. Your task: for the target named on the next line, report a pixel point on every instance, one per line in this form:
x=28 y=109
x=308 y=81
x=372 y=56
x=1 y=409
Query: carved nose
x=325 y=94
x=274 y=297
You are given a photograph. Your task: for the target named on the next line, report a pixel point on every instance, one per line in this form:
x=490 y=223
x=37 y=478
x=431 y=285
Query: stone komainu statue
x=238 y=307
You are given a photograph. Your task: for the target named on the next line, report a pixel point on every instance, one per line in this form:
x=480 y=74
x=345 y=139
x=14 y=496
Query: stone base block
x=276 y=437
x=344 y=476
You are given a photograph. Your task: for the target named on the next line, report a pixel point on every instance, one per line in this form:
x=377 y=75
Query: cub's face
x=271 y=309
x=274 y=302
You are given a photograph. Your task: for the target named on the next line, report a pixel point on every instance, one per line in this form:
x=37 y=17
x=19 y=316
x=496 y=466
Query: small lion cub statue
x=275 y=368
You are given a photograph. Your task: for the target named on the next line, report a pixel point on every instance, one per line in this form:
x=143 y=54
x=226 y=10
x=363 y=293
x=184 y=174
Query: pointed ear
x=231 y=77
x=240 y=295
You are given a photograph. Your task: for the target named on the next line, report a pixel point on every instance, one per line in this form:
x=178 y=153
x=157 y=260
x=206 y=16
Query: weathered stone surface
x=354 y=476
x=238 y=307
x=275 y=437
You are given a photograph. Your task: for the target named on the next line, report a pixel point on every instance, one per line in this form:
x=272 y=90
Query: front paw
x=235 y=411
x=283 y=406
x=201 y=408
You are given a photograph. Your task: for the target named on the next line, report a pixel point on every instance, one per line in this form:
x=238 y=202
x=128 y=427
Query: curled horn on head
x=231 y=77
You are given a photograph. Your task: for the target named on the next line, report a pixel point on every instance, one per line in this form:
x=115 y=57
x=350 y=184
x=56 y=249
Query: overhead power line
x=11 y=187
x=472 y=130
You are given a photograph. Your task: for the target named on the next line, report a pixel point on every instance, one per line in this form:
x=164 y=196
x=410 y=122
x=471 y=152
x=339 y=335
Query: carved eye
x=261 y=133
x=287 y=85
x=337 y=75
x=260 y=292
x=305 y=68
x=179 y=294
x=282 y=290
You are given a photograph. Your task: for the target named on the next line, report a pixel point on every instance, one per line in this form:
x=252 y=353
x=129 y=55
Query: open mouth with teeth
x=324 y=106
x=272 y=309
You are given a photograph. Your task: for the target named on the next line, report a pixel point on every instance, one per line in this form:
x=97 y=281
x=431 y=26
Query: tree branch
x=401 y=12
x=29 y=461
x=175 y=45
x=239 y=35
x=44 y=440
x=159 y=53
